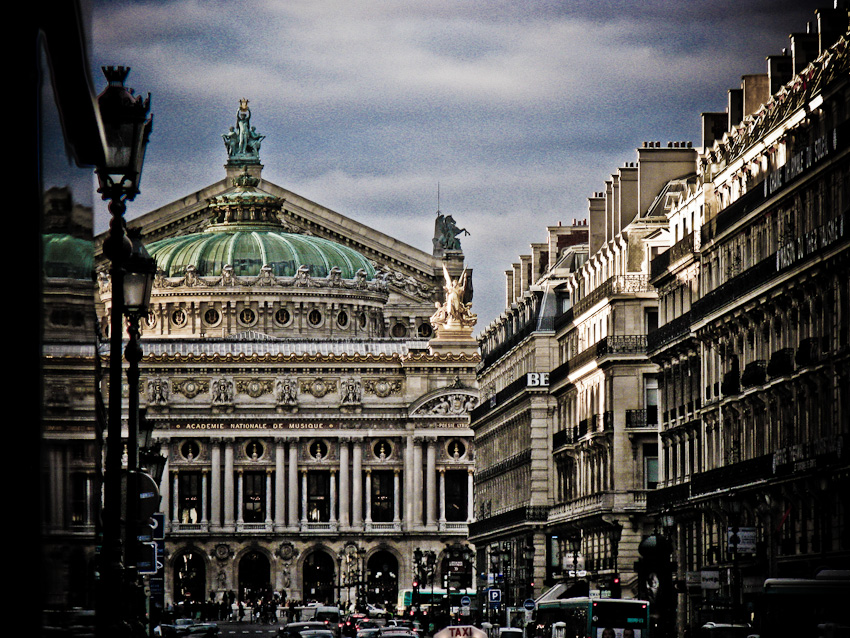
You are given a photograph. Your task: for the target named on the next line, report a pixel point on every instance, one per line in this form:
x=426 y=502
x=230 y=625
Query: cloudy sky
x=519 y=110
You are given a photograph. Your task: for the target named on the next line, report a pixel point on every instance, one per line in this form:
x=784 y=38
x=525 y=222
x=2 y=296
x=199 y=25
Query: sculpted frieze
x=255 y=388
x=405 y=283
x=190 y=388
x=318 y=387
x=158 y=391
x=352 y=392
x=382 y=388
x=222 y=391
x=286 y=390
x=449 y=404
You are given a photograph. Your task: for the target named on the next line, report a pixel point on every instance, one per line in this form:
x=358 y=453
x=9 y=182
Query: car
x=368 y=632
x=404 y=624
x=296 y=629
x=317 y=633
x=188 y=627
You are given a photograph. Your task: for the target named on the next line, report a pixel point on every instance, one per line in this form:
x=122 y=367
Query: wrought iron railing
x=781 y=363
x=733 y=475
x=643 y=418
x=755 y=373
x=616 y=285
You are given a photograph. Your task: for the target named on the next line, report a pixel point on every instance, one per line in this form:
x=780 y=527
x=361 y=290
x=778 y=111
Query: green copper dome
x=247 y=234
x=68 y=257
x=247 y=250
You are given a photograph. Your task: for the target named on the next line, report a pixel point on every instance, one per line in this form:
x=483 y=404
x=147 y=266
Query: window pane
x=651 y=473
x=189 y=491
x=382 y=497
x=318 y=496
x=254 y=497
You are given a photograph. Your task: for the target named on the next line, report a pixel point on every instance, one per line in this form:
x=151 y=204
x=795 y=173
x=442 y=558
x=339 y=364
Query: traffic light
x=145 y=547
x=616 y=588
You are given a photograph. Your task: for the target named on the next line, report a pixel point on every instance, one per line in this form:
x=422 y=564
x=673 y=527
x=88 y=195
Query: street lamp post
x=735 y=509
x=361 y=580
x=126 y=128
x=339 y=581
x=139 y=271
x=528 y=563
x=575 y=547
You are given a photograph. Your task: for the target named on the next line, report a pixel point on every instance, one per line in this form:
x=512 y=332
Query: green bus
x=432 y=596
x=805 y=606
x=591 y=618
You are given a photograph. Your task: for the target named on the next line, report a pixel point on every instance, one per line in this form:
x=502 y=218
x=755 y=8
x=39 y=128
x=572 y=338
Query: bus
x=805 y=606
x=432 y=597
x=591 y=618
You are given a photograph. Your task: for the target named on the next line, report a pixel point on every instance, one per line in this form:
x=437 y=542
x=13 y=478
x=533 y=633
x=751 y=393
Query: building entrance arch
x=382 y=579
x=190 y=578
x=319 y=578
x=254 y=576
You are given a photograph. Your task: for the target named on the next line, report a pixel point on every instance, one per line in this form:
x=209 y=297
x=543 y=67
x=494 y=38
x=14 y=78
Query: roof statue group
x=446 y=234
x=242 y=141
x=455 y=313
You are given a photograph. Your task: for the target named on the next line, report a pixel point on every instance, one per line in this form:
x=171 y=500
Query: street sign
x=494 y=595
x=529 y=605
x=466 y=601
x=742 y=540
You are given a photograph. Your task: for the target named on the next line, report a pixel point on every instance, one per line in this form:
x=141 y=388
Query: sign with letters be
x=537 y=380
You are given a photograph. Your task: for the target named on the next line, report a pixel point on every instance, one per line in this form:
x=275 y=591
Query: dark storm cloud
x=518 y=110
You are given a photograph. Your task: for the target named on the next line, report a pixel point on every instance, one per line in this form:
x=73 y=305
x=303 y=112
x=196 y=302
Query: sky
x=516 y=111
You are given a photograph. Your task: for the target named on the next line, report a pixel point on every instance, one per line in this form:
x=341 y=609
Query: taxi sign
x=461 y=631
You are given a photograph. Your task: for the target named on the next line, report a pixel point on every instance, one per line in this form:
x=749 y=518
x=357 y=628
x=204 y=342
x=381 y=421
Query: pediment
x=452 y=401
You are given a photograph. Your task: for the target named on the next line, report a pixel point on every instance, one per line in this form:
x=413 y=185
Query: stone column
x=417 y=481
x=240 y=491
x=357 y=486
x=303 y=497
x=344 y=487
x=58 y=482
x=470 y=494
x=333 y=496
x=396 y=495
x=279 y=485
x=268 y=520
x=408 y=483
x=431 y=483
x=165 y=490
x=442 y=471
x=292 y=518
x=228 y=486
x=368 y=496
x=175 y=502
x=205 y=502
x=89 y=500
x=215 y=485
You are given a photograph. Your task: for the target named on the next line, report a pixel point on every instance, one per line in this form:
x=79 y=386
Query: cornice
x=309 y=358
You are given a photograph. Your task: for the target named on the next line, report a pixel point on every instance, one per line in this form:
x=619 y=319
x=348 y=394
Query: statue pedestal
x=453 y=340
x=236 y=167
